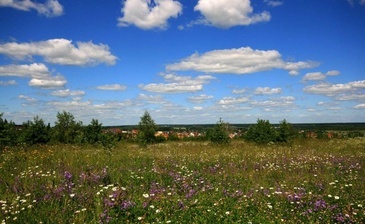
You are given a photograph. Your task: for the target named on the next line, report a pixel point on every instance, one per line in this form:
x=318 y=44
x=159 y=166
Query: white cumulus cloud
x=178 y=84
x=243 y=60
x=232 y=100
x=48 y=82
x=34 y=70
x=67 y=93
x=38 y=73
x=267 y=91
x=333 y=73
x=149 y=14
x=112 y=87
x=329 y=89
x=360 y=106
x=225 y=14
x=200 y=98
x=314 y=76
x=61 y=51
x=50 y=8
x=285 y=101
x=27 y=98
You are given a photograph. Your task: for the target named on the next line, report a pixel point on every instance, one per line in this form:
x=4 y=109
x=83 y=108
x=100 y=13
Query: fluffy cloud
x=61 y=51
x=67 y=93
x=333 y=73
x=334 y=89
x=346 y=97
x=112 y=87
x=35 y=70
x=38 y=72
x=328 y=89
x=69 y=105
x=351 y=91
x=50 y=8
x=286 y=101
x=27 y=98
x=360 y=106
x=314 y=76
x=171 y=88
x=151 y=99
x=238 y=61
x=267 y=91
x=48 y=82
x=357 y=84
x=178 y=84
x=232 y=100
x=200 y=98
x=149 y=14
x=223 y=14
x=294 y=67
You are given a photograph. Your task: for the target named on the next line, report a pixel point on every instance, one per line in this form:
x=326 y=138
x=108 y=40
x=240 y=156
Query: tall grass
x=185 y=182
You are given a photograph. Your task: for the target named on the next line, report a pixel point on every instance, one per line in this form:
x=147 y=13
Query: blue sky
x=185 y=62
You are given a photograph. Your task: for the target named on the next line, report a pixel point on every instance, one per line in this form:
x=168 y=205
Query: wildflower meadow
x=308 y=181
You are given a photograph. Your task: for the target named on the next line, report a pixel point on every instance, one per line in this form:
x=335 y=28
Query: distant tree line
x=68 y=131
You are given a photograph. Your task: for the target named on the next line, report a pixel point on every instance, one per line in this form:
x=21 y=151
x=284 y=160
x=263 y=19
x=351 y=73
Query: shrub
x=286 y=132
x=107 y=140
x=8 y=133
x=66 y=129
x=93 y=132
x=262 y=132
x=36 y=132
x=219 y=134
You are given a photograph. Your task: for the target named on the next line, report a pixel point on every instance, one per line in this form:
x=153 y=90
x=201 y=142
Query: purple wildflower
x=319 y=205
x=67 y=175
x=191 y=193
x=126 y=204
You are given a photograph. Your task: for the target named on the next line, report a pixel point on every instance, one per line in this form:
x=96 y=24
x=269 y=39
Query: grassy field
x=185 y=182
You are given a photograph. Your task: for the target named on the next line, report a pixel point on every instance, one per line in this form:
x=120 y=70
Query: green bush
x=93 y=132
x=36 y=132
x=262 y=132
x=108 y=140
x=286 y=132
x=8 y=133
x=66 y=129
x=219 y=134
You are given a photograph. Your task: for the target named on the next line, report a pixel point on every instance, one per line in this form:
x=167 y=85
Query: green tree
x=286 y=132
x=93 y=132
x=8 y=133
x=66 y=129
x=262 y=132
x=36 y=132
x=146 y=129
x=219 y=134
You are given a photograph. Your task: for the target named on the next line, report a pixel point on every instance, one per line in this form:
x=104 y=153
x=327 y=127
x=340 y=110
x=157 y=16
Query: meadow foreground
x=311 y=181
